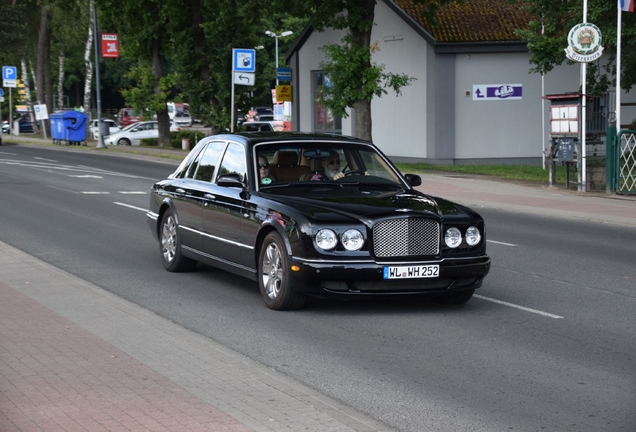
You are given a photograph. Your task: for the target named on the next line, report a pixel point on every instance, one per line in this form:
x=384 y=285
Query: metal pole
x=276 y=36
x=11 y=113
x=232 y=104
x=100 y=140
x=584 y=114
x=619 y=25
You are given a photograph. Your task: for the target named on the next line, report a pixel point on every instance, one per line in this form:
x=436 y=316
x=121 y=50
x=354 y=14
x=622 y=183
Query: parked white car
x=112 y=127
x=183 y=119
x=134 y=133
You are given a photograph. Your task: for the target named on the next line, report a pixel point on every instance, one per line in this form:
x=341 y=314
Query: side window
x=234 y=161
x=208 y=161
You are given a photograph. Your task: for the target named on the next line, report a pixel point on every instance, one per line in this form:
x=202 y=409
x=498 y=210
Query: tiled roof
x=471 y=20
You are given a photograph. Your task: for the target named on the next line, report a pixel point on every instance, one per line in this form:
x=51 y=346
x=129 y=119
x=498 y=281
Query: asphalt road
x=548 y=344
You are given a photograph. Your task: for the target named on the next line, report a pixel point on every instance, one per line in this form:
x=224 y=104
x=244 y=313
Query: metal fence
x=626 y=158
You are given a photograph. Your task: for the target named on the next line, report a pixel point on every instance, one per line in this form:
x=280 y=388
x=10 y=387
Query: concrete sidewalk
x=477 y=192
x=74 y=357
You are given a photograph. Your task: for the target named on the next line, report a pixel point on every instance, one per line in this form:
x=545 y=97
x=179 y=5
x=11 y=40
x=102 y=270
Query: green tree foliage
x=354 y=79
x=549 y=28
x=13 y=28
x=143 y=29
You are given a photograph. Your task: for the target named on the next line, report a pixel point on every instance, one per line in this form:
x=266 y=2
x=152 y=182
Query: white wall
x=309 y=59
x=412 y=125
x=399 y=127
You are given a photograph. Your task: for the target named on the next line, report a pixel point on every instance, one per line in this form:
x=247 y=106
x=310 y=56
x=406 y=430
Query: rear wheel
x=170 y=246
x=273 y=277
x=456 y=298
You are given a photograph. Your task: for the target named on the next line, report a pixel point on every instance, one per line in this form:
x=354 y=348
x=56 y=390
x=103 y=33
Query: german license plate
x=410 y=272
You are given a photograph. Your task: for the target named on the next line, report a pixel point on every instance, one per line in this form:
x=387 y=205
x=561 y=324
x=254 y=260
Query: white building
x=455 y=112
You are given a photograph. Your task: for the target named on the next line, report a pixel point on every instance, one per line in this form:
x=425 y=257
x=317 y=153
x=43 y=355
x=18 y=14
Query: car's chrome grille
x=405 y=237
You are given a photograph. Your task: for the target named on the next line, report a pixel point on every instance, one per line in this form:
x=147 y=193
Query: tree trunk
x=87 y=62
x=362 y=120
x=361 y=34
x=27 y=92
x=44 y=25
x=60 y=82
x=43 y=71
x=199 y=39
x=163 y=119
x=48 y=83
x=33 y=75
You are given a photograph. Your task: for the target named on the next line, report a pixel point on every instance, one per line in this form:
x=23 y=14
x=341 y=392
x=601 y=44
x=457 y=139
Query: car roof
x=251 y=138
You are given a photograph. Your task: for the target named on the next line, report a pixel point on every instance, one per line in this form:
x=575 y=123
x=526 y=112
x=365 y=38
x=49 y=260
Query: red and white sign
x=110 y=45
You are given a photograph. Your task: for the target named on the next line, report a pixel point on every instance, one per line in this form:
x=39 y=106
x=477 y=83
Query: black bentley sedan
x=315 y=215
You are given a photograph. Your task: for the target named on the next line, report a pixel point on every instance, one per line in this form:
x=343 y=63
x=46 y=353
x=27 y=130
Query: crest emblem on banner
x=584 y=43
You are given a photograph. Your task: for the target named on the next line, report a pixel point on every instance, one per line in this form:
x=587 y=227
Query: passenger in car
x=263 y=170
x=331 y=168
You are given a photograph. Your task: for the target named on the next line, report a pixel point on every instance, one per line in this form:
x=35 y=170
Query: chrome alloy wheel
x=169 y=239
x=272 y=271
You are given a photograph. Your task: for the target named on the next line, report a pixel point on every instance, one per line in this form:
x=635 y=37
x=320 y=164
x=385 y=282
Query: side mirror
x=413 y=179
x=230 y=180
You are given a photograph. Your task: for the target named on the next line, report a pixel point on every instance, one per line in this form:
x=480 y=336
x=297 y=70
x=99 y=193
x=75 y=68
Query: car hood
x=367 y=207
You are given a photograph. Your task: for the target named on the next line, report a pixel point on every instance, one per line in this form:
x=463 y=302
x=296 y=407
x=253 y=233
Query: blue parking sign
x=243 y=60
x=9 y=73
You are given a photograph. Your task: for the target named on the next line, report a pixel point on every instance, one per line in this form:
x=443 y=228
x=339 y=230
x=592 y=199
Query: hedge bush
x=176 y=138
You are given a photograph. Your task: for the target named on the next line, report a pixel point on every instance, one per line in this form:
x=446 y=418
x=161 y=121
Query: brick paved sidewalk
x=74 y=357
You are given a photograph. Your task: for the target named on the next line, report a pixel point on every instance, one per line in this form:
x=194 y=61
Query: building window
x=323 y=119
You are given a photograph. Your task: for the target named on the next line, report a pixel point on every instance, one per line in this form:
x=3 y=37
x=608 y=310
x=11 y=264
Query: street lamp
x=274 y=35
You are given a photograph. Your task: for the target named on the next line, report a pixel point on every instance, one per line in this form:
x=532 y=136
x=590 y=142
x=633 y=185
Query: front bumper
x=366 y=277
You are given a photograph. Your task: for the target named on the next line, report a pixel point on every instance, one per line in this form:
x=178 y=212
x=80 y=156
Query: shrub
x=176 y=138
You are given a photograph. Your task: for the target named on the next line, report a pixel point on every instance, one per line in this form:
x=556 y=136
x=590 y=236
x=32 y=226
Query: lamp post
x=274 y=35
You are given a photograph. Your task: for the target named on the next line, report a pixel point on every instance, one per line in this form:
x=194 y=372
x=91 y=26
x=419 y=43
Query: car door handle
x=180 y=190
x=209 y=196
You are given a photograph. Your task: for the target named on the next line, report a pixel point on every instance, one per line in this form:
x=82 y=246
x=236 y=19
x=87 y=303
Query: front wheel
x=273 y=276
x=123 y=141
x=170 y=246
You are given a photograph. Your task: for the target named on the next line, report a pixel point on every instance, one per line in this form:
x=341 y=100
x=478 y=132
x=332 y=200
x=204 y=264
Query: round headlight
x=473 y=236
x=326 y=239
x=453 y=237
x=352 y=240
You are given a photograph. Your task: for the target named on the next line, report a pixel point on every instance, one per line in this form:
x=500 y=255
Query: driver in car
x=331 y=168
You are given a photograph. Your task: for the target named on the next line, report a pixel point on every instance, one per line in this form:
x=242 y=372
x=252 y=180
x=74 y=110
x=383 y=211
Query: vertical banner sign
x=110 y=45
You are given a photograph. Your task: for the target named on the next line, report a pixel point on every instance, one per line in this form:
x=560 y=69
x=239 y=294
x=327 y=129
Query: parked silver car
x=134 y=133
x=112 y=127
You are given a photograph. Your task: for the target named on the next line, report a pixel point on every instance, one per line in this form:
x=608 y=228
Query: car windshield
x=314 y=165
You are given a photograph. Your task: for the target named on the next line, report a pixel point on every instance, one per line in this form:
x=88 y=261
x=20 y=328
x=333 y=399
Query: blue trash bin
x=69 y=127
x=57 y=127
x=75 y=123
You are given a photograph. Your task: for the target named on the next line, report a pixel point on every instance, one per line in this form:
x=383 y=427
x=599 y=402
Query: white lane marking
x=512 y=305
x=133 y=192
x=78 y=168
x=130 y=206
x=94 y=193
x=10 y=154
x=48 y=160
x=501 y=243
x=86 y=176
